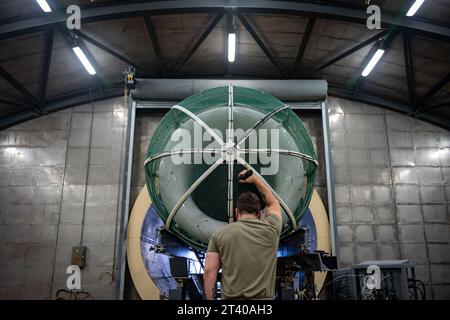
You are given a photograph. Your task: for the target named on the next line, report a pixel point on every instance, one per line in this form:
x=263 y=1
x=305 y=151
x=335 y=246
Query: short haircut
x=248 y=202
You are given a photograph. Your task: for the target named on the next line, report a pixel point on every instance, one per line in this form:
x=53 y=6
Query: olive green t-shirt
x=248 y=254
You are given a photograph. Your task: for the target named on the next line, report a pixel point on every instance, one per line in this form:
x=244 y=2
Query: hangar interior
x=70 y=176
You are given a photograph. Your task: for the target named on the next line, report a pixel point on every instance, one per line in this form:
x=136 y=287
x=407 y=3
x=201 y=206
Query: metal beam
x=116 y=90
x=330 y=181
x=68 y=38
x=126 y=195
x=199 y=41
x=260 y=43
x=409 y=69
x=95 y=91
x=385 y=45
x=71 y=42
x=304 y=43
x=362 y=96
x=359 y=78
x=392 y=33
x=91 y=59
x=439 y=105
x=13 y=103
x=390 y=38
x=422 y=102
x=126 y=9
x=46 y=66
x=75 y=99
x=25 y=93
x=436 y=88
x=387 y=104
x=151 y=31
x=109 y=50
x=377 y=37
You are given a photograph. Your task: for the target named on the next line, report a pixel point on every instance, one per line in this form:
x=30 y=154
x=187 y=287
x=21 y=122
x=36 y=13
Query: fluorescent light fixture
x=231 y=47
x=44 y=5
x=416 y=5
x=84 y=60
x=376 y=57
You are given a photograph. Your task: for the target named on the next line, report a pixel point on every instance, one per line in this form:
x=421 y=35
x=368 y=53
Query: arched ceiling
x=39 y=72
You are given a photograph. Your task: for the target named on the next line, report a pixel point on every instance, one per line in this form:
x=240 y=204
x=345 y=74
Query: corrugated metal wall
x=51 y=202
x=392 y=183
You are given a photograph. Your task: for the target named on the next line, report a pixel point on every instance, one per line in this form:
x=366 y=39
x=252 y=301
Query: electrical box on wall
x=79 y=256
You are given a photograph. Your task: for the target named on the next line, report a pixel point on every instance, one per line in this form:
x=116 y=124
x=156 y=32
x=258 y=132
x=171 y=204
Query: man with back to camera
x=246 y=250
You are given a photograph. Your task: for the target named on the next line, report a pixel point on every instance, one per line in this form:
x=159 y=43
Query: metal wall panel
x=60 y=188
x=392 y=190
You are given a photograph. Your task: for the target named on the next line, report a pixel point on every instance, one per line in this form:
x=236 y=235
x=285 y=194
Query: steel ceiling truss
x=73 y=41
x=436 y=88
x=407 y=26
x=345 y=54
x=409 y=69
x=112 y=52
x=151 y=31
x=427 y=96
x=243 y=19
x=439 y=105
x=384 y=44
x=88 y=94
x=389 y=104
x=393 y=31
x=304 y=44
x=127 y=9
x=202 y=37
x=46 y=66
x=33 y=103
x=14 y=103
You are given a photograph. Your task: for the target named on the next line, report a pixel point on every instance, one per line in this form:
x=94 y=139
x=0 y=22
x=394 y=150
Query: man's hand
x=272 y=204
x=250 y=180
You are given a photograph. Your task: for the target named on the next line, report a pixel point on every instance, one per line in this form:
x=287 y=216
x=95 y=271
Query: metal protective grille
x=195 y=197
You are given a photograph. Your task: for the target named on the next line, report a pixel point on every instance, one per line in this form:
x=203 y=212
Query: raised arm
x=272 y=204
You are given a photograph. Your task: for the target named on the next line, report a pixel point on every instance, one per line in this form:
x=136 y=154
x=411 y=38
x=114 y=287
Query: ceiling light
x=44 y=5
x=231 y=47
x=416 y=5
x=84 y=60
x=376 y=57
